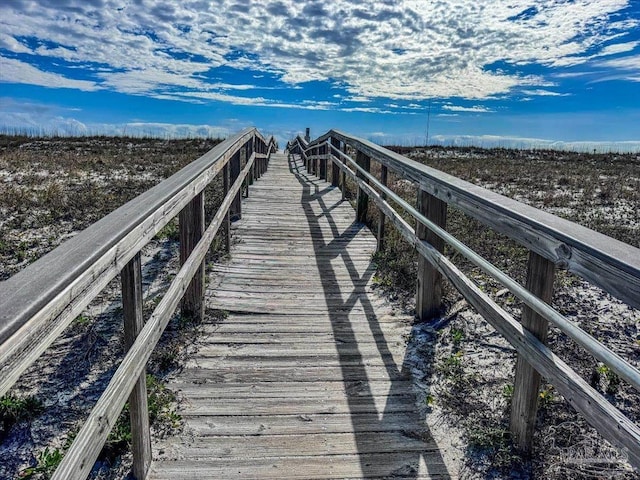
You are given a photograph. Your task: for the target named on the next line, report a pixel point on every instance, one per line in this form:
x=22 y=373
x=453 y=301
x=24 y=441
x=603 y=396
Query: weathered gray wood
x=39 y=302
x=610 y=264
x=328 y=378
x=84 y=450
x=524 y=405
x=235 y=211
x=316 y=161
x=603 y=416
x=131 y=279
x=226 y=223
x=429 y=281
x=243 y=161
x=343 y=179
x=381 y=217
x=203 y=426
x=362 y=201
x=597 y=349
x=273 y=446
x=335 y=171
x=323 y=162
x=191 y=230
x=319 y=467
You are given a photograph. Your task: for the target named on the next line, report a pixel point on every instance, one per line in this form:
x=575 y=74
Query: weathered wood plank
x=191 y=231
x=524 y=405
x=316 y=368
x=204 y=426
x=387 y=465
x=429 y=281
x=131 y=280
x=39 y=302
x=279 y=446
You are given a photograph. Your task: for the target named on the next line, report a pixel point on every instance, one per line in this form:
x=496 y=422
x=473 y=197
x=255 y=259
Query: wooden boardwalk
x=306 y=377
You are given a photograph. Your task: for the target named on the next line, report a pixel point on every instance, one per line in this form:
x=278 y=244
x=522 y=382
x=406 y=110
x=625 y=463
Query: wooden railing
x=39 y=302
x=552 y=242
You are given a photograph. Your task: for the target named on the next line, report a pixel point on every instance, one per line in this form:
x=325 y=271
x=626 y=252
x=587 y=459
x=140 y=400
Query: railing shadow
x=360 y=395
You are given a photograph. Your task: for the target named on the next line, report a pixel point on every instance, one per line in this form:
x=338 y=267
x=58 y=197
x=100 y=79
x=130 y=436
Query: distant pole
x=426 y=140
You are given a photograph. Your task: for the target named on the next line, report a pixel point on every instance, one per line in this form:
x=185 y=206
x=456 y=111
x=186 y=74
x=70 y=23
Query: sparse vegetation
x=50 y=189
x=14 y=409
x=472 y=376
x=48 y=461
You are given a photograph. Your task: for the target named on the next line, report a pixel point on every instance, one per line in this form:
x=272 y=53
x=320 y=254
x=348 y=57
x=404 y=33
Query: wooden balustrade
x=552 y=242
x=40 y=301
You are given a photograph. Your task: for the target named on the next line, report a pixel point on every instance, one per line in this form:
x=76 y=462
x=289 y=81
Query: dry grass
x=49 y=190
x=471 y=378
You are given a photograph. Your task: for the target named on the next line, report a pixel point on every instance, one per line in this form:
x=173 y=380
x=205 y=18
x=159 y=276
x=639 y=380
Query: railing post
x=335 y=171
x=191 y=231
x=362 y=202
x=381 y=218
x=243 y=162
x=236 y=205
x=316 y=165
x=323 y=161
x=524 y=404
x=226 y=223
x=252 y=173
x=343 y=175
x=429 y=285
x=131 y=282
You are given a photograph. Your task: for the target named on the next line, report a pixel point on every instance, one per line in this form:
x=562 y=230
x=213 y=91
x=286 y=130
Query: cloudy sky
x=474 y=71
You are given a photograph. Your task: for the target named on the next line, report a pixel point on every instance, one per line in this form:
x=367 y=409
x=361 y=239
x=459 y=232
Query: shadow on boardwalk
x=352 y=364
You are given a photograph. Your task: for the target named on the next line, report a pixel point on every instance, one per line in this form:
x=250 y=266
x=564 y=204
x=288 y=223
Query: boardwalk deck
x=306 y=378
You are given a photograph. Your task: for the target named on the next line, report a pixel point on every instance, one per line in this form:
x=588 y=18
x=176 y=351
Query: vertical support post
x=429 y=288
x=362 y=202
x=323 y=162
x=226 y=222
x=236 y=205
x=335 y=171
x=243 y=162
x=343 y=175
x=131 y=281
x=524 y=405
x=381 y=217
x=191 y=231
x=252 y=173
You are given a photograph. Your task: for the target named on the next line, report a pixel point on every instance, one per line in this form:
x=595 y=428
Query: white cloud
x=15 y=71
x=544 y=93
x=492 y=141
x=474 y=109
x=624 y=63
x=406 y=49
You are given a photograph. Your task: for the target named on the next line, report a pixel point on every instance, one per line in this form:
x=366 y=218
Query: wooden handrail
x=610 y=264
x=40 y=301
x=563 y=243
x=84 y=451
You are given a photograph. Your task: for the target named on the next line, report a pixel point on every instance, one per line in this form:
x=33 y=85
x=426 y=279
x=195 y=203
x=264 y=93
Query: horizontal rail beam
x=593 y=346
x=40 y=301
x=608 y=263
x=86 y=447
x=598 y=412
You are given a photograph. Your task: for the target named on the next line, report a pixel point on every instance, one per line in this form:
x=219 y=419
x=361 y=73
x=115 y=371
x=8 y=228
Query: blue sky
x=562 y=73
